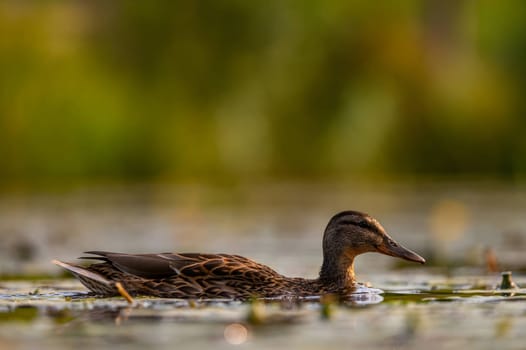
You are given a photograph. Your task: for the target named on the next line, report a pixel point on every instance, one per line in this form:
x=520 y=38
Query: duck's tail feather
x=92 y=280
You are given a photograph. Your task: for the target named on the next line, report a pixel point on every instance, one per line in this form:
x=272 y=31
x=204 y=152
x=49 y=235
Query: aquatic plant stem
x=124 y=293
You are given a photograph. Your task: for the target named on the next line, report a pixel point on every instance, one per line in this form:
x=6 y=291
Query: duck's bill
x=398 y=251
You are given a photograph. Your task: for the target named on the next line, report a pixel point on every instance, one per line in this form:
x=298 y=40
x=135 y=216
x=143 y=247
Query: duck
x=225 y=276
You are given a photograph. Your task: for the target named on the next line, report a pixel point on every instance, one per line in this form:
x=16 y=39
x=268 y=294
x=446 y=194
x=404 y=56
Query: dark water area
x=469 y=234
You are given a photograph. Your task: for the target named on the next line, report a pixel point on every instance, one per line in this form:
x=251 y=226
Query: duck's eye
x=363 y=224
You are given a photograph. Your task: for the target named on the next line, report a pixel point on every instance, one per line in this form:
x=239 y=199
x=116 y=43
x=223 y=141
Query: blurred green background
x=257 y=90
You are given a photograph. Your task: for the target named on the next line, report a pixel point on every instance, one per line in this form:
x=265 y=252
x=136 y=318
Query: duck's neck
x=337 y=271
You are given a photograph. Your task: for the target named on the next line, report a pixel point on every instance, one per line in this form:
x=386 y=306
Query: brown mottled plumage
x=192 y=275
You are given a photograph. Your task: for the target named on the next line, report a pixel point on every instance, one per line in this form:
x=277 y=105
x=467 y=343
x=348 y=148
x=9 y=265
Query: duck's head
x=352 y=233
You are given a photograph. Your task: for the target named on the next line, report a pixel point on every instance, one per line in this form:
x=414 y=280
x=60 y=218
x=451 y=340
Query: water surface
x=450 y=302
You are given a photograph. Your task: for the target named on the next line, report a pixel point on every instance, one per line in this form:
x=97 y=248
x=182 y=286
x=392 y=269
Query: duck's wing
x=142 y=265
x=185 y=265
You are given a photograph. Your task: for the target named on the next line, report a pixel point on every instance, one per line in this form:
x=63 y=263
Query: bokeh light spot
x=236 y=334
x=449 y=220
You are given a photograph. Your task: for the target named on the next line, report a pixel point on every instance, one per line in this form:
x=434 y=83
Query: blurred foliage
x=207 y=90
